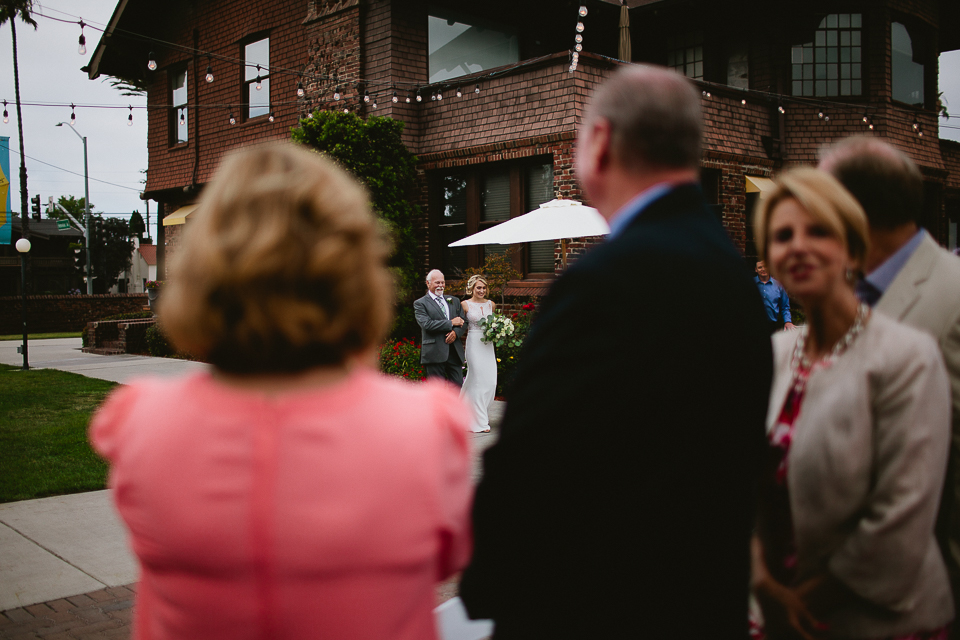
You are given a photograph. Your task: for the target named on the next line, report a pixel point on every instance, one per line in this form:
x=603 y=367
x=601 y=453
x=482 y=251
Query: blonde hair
x=825 y=199
x=282 y=268
x=472 y=282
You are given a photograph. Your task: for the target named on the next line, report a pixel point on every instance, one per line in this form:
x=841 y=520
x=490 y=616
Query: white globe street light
x=23 y=246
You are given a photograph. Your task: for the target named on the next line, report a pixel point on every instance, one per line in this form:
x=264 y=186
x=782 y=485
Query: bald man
x=911 y=278
x=618 y=501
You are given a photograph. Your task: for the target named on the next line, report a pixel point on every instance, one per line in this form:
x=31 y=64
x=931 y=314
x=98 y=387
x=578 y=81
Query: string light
x=477 y=90
x=419 y=97
x=578 y=38
x=183 y=118
x=346 y=110
x=259 y=84
x=578 y=47
x=579 y=27
x=73 y=114
x=705 y=94
x=743 y=102
x=374 y=103
x=271 y=117
x=395 y=99
x=130 y=117
x=209 y=76
x=459 y=93
x=299 y=87
x=83 y=41
x=780 y=108
x=151 y=61
x=583 y=11
x=6 y=114
x=408 y=97
x=336 y=93
x=366 y=96
x=231 y=119
x=439 y=95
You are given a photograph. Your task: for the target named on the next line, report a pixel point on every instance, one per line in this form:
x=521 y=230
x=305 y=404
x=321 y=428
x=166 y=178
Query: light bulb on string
x=6 y=114
x=130 y=117
x=578 y=47
x=578 y=38
x=705 y=94
x=259 y=84
x=408 y=98
x=439 y=95
x=82 y=49
x=271 y=117
x=336 y=94
x=459 y=93
x=419 y=97
x=743 y=102
x=231 y=119
x=73 y=114
x=299 y=88
x=579 y=27
x=209 y=76
x=366 y=96
x=183 y=119
x=477 y=90
x=395 y=99
x=820 y=114
x=583 y=11
x=151 y=61
x=346 y=110
x=781 y=109
x=374 y=103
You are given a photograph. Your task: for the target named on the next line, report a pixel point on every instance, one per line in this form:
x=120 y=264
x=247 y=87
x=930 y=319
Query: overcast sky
x=50 y=73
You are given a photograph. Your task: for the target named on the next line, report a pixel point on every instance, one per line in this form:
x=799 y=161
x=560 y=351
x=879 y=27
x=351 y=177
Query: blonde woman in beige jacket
x=858 y=427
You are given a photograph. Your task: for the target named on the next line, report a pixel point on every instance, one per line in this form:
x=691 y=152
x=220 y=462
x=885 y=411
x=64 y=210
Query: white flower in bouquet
x=496 y=327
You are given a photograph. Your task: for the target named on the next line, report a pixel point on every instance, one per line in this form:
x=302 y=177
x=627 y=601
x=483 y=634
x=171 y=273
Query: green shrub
x=136 y=315
x=401 y=358
x=157 y=343
x=508 y=356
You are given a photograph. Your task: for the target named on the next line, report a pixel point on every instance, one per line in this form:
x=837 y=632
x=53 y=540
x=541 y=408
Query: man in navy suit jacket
x=619 y=499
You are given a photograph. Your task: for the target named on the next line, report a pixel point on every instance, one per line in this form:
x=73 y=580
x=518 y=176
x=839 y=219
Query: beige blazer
x=926 y=295
x=865 y=470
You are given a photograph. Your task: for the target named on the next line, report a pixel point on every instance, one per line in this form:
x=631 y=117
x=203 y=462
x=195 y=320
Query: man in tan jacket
x=912 y=279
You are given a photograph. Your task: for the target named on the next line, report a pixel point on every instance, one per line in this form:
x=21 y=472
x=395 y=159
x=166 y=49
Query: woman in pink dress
x=290 y=491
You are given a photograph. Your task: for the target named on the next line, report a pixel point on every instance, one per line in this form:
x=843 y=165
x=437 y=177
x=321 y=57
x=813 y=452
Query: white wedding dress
x=481 y=383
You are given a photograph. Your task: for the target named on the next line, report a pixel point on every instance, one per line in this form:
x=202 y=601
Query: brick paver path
x=98 y=615
x=92 y=616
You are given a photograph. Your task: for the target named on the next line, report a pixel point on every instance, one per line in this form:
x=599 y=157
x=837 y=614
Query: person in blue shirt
x=775 y=300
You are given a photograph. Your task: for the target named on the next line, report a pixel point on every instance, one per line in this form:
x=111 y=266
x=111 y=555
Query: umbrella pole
x=563 y=253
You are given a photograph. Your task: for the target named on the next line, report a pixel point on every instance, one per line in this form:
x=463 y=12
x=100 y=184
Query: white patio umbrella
x=554 y=220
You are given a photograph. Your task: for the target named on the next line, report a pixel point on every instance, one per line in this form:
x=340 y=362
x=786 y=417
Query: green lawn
x=43 y=433
x=41 y=336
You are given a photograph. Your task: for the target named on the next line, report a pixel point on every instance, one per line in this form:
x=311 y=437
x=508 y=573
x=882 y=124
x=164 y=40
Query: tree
x=111 y=247
x=373 y=151
x=137 y=227
x=10 y=10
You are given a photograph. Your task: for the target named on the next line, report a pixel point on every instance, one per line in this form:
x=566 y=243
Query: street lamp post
x=23 y=246
x=86 y=206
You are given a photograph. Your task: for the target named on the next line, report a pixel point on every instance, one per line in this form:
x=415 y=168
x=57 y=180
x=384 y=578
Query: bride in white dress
x=481 y=383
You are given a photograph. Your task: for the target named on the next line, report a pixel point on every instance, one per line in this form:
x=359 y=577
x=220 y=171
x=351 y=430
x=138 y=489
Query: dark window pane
x=808 y=52
x=832 y=55
x=797 y=88
x=797 y=71
x=845 y=87
x=458 y=45
x=808 y=87
x=855 y=20
x=821 y=71
x=831 y=38
x=845 y=38
x=821 y=54
x=832 y=88
x=831 y=72
x=832 y=21
x=855 y=38
x=821 y=87
x=844 y=71
x=796 y=55
x=855 y=88
x=808 y=72
x=820 y=38
x=845 y=54
x=453 y=223
x=855 y=70
x=855 y=54
x=844 y=20
x=495 y=199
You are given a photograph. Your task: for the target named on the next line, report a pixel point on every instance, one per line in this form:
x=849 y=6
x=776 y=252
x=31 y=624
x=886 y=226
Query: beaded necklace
x=801 y=364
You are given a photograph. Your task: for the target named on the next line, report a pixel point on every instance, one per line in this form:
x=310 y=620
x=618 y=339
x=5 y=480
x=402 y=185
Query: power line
x=112 y=184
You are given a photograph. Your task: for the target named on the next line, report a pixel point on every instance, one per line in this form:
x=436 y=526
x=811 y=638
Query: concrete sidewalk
x=60 y=547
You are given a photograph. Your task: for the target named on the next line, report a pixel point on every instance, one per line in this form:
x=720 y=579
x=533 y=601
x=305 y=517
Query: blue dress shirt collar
x=883 y=276
x=625 y=215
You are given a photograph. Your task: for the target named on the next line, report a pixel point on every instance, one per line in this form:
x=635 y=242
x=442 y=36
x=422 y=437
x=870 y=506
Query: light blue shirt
x=883 y=276
x=625 y=215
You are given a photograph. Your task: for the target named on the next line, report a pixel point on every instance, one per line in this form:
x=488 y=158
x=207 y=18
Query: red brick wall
x=222 y=25
x=49 y=314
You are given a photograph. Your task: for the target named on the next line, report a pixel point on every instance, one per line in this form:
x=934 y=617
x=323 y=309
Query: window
x=256 y=78
x=178 y=114
x=459 y=45
x=831 y=64
x=738 y=67
x=685 y=54
x=467 y=202
x=907 y=74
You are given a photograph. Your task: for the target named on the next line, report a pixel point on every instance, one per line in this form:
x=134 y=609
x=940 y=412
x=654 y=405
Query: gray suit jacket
x=926 y=295
x=865 y=469
x=434 y=326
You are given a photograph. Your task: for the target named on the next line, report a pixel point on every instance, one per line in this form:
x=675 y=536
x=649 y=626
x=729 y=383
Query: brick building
x=491 y=107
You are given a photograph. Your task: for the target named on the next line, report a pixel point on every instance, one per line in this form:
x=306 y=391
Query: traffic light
x=35 y=201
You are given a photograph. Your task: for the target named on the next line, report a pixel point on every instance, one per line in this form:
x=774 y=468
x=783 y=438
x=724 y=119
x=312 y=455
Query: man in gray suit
x=912 y=279
x=442 y=324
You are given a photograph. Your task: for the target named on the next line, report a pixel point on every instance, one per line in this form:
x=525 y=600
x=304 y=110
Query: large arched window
x=907 y=74
x=831 y=64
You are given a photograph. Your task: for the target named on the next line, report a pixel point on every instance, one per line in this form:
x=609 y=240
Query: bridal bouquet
x=497 y=329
